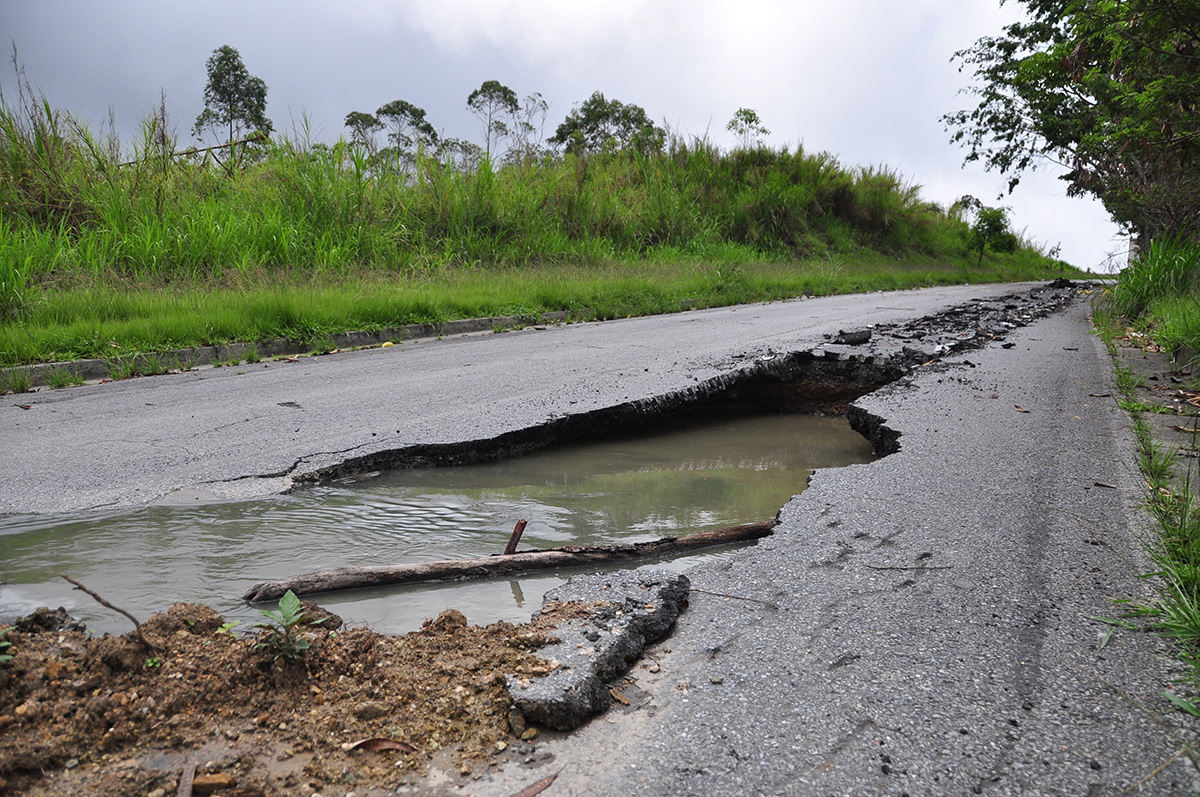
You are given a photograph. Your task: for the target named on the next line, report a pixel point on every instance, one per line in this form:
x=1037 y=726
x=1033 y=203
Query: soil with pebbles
x=109 y=716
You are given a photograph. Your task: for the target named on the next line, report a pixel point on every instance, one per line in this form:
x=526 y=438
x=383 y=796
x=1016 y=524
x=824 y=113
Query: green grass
x=106 y=251
x=1174 y=548
x=105 y=322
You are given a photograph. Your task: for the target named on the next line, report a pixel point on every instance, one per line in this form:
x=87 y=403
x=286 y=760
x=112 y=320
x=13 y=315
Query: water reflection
x=676 y=478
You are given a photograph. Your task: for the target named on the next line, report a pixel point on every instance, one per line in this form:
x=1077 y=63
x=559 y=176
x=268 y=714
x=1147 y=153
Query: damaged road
x=924 y=624
x=258 y=429
x=931 y=623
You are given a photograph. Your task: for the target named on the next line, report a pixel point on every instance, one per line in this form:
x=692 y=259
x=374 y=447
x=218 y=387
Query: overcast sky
x=866 y=80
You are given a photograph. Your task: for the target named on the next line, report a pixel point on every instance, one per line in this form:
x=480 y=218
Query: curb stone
x=186 y=359
x=627 y=610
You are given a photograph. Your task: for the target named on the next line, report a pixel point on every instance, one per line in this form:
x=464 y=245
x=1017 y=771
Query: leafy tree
x=599 y=123
x=491 y=103
x=991 y=227
x=1109 y=88
x=408 y=129
x=234 y=100
x=749 y=129
x=363 y=127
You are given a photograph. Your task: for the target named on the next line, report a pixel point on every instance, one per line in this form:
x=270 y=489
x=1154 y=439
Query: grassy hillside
x=106 y=249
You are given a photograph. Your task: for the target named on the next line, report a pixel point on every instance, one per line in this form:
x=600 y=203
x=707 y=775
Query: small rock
x=717 y=680
x=210 y=784
x=530 y=733
x=370 y=710
x=516 y=720
x=157 y=793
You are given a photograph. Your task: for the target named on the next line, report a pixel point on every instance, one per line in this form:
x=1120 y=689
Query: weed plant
x=282 y=633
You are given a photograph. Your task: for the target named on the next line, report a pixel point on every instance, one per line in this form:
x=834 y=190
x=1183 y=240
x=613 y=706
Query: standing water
x=677 y=478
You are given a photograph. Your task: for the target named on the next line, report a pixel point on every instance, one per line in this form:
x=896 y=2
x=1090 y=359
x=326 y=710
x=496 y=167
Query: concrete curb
x=185 y=359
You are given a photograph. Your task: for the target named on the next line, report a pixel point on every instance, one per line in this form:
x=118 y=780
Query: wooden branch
x=504 y=565
x=137 y=627
x=511 y=548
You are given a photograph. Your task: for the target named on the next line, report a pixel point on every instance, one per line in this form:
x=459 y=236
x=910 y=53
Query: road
x=925 y=624
x=239 y=431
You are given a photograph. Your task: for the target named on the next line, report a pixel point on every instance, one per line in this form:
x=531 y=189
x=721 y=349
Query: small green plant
x=5 y=645
x=282 y=633
x=16 y=380
x=63 y=377
x=324 y=345
x=250 y=355
x=153 y=663
x=226 y=629
x=122 y=368
x=182 y=364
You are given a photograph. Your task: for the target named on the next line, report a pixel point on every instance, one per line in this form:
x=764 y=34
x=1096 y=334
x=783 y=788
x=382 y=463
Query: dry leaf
x=1021 y=409
x=537 y=788
x=376 y=745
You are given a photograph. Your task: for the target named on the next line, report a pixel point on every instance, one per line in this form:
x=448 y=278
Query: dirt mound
x=109 y=716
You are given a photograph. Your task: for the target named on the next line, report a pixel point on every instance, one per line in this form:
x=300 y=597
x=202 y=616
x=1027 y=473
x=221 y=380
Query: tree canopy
x=1108 y=88
x=363 y=127
x=598 y=123
x=492 y=102
x=408 y=128
x=749 y=129
x=234 y=100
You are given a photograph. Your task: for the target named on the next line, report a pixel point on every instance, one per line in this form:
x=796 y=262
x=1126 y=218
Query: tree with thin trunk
x=235 y=102
x=491 y=102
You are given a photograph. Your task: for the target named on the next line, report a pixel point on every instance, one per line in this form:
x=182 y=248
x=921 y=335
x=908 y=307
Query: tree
x=408 y=129
x=363 y=127
x=991 y=227
x=528 y=129
x=748 y=127
x=491 y=102
x=1108 y=88
x=599 y=123
x=234 y=100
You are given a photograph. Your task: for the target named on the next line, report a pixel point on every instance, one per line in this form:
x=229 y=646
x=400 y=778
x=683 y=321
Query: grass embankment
x=1158 y=296
x=105 y=252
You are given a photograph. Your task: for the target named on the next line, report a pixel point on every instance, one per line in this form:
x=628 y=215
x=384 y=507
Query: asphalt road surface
x=239 y=431
x=925 y=624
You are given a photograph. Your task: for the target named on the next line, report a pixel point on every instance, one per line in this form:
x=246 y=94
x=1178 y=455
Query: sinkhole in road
x=674 y=476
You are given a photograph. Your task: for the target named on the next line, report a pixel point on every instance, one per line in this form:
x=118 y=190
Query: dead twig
x=736 y=597
x=1137 y=786
x=185 y=779
x=137 y=627
x=918 y=567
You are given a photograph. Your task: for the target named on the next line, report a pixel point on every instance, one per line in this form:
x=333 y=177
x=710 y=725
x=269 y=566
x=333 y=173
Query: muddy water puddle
x=669 y=479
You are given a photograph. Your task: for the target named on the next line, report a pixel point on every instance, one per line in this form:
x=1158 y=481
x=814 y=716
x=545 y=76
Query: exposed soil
x=107 y=716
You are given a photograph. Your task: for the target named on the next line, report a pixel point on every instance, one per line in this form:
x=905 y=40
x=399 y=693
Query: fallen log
x=505 y=565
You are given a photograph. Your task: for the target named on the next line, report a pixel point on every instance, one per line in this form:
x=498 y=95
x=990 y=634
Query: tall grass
x=1168 y=269
x=81 y=216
